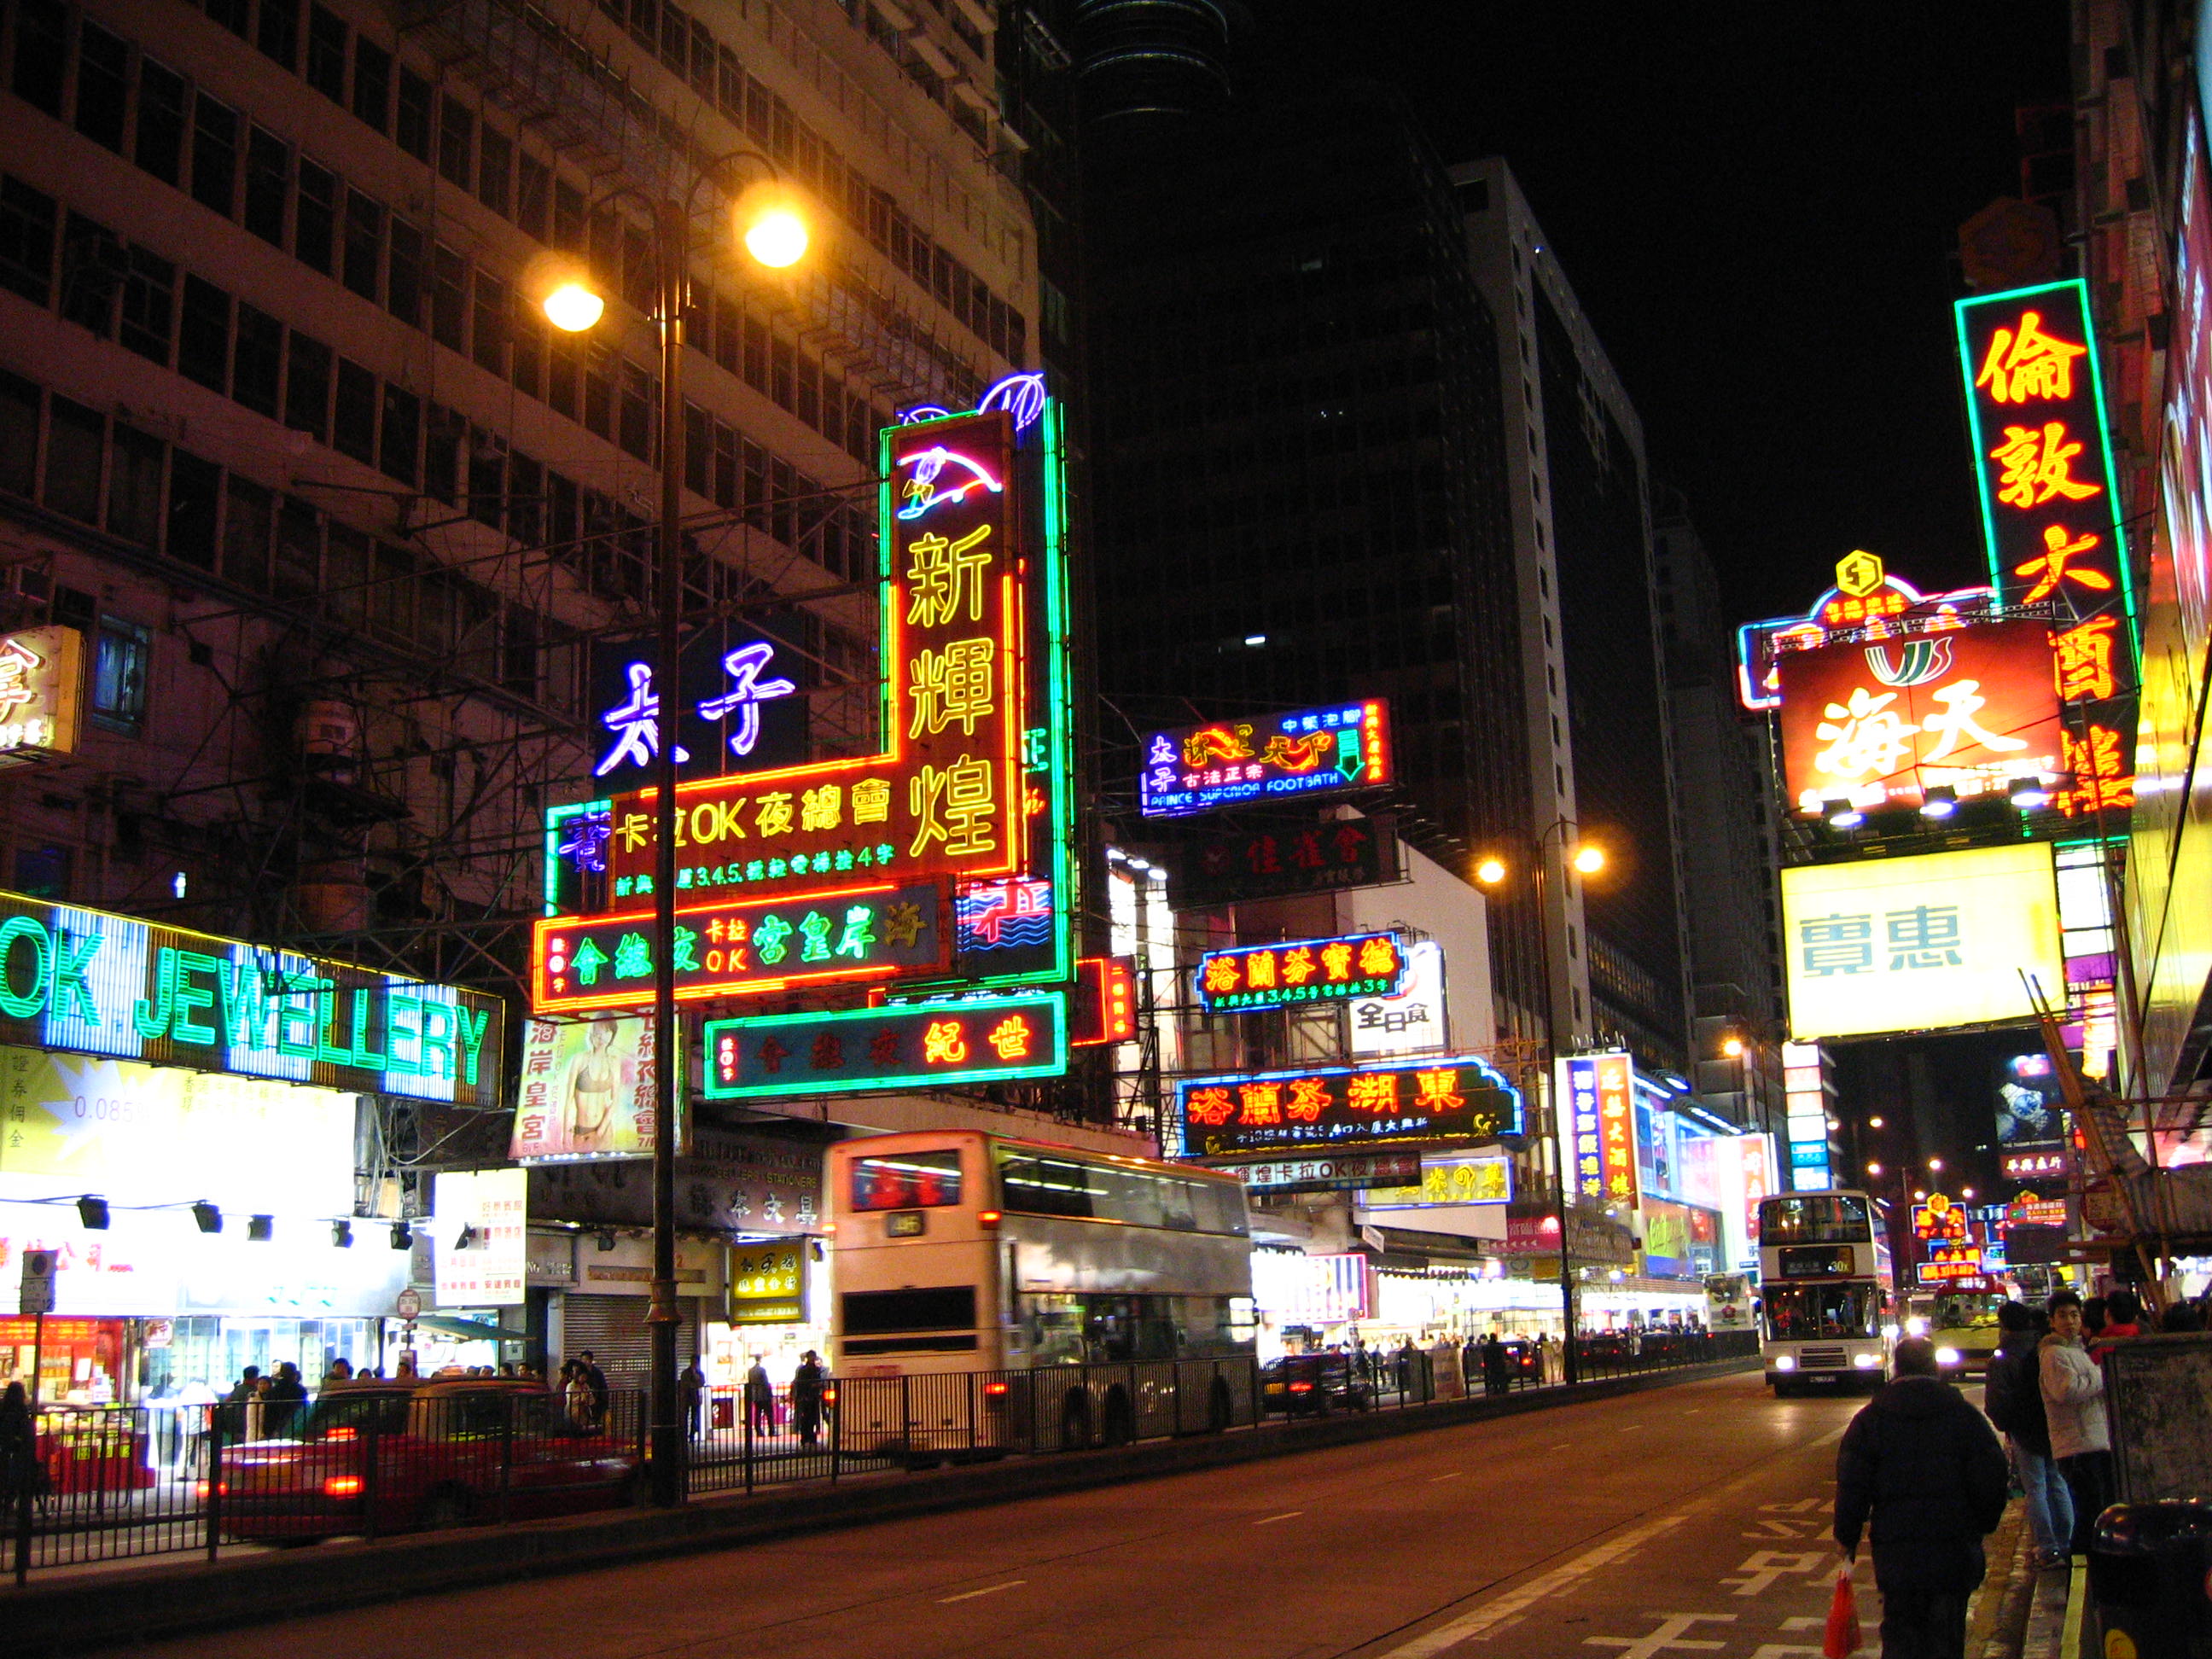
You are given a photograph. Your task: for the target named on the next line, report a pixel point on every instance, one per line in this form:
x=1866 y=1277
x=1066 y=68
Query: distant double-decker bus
x=1056 y=1295
x=1824 y=1289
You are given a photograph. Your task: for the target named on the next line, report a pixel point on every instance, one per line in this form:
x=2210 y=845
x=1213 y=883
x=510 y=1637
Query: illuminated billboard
x=41 y=693
x=1868 y=596
x=1279 y=861
x=1201 y=768
x=1255 y=976
x=743 y=703
x=1598 y=1092
x=1920 y=944
x=1879 y=723
x=986 y=1039
x=1453 y=1098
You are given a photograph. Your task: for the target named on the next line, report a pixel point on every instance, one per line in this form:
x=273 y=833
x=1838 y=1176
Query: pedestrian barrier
x=114 y=1483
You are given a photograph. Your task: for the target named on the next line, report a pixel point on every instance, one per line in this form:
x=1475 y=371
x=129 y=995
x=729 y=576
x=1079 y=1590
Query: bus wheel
x=1120 y=1423
x=1219 y=1412
x=1075 y=1420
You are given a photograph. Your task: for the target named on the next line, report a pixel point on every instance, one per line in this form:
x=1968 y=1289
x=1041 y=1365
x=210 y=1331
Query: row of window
x=244 y=172
x=129 y=293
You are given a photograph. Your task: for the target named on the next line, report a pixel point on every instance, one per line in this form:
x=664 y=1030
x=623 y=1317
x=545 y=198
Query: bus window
x=1031 y=1184
x=1814 y=1219
x=1811 y=1313
x=906 y=1181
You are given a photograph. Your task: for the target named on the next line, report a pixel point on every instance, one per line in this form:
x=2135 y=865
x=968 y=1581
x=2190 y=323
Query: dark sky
x=1758 y=206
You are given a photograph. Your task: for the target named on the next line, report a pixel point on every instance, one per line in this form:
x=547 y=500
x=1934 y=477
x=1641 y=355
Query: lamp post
x=775 y=236
x=1589 y=859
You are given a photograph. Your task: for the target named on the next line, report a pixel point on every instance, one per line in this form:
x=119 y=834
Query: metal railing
x=114 y=1483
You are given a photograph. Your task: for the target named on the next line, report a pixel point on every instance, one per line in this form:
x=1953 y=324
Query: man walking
x=1921 y=1473
x=2013 y=1400
x=2074 y=1404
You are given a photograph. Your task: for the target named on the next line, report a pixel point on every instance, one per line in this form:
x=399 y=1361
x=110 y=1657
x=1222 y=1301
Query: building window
x=134 y=488
x=76 y=436
x=268 y=182
x=103 y=84
x=121 y=654
x=364 y=243
x=215 y=154
x=315 y=221
x=307 y=388
x=26 y=241
x=43 y=871
x=413 y=127
x=372 y=82
x=258 y=359
x=326 y=51
x=149 y=303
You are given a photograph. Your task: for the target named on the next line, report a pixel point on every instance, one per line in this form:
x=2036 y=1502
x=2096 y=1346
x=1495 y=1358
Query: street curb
x=87 y=1612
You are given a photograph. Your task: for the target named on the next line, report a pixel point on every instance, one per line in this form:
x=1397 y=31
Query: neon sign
x=742 y=704
x=1454 y=1098
x=1256 y=976
x=1599 y=1092
x=1868 y=598
x=987 y=1039
x=922 y=492
x=41 y=692
x=864 y=931
x=1104 y=1006
x=1200 y=769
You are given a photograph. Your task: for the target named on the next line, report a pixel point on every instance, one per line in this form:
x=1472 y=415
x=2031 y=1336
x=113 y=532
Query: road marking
x=1287 y=1514
x=1671 y=1636
x=969 y=1595
x=1486 y=1619
x=1625 y=1427
x=1454 y=1475
x=1563 y=1445
x=1759 y=1572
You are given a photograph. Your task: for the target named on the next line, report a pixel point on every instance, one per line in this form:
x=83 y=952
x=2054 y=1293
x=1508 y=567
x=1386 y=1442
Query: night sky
x=1758 y=207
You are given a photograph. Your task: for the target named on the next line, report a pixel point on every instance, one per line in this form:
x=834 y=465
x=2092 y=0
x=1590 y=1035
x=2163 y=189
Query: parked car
x=1314 y=1384
x=408 y=1457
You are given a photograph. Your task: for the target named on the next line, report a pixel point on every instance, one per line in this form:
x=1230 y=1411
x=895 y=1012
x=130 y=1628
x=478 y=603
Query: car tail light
x=987 y=1217
x=995 y=1388
x=830 y=1396
x=222 y=1488
x=342 y=1486
x=343 y=1432
x=1301 y=1388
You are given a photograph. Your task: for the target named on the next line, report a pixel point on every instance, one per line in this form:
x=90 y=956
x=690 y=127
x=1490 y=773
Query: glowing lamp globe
x=777 y=238
x=572 y=308
x=1589 y=860
x=1490 y=872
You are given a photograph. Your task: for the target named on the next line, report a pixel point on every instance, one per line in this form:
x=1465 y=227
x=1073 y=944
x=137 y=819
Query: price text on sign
x=853 y=1051
x=944 y=797
x=859 y=931
x=1303 y=971
x=1450 y=1098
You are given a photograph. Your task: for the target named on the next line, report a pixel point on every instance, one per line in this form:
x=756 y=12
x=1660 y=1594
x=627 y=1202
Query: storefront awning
x=469 y=1330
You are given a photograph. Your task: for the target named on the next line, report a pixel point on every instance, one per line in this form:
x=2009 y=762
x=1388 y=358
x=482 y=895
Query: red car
x=386 y=1457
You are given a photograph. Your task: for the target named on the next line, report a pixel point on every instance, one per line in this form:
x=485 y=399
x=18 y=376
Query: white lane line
x=1454 y=1475
x=969 y=1595
x=1563 y=1445
x=1488 y=1618
x=1287 y=1514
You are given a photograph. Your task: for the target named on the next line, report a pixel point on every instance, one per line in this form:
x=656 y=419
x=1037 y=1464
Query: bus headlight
x=1785 y=1362
x=1946 y=1356
x=1916 y=1325
x=1866 y=1361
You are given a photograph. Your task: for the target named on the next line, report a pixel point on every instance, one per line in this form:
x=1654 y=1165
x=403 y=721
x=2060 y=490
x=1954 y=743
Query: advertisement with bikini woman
x=586 y=1088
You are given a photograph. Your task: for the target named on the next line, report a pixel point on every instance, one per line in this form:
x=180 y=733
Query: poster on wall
x=587 y=1090
x=1414 y=1020
x=479 y=1223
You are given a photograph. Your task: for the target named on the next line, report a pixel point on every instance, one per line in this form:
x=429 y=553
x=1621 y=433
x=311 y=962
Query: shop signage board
x=2029 y=1210
x=1451 y=1098
x=488 y=1209
x=158 y=1135
x=1949 y=1263
x=1879 y=723
x=1598 y=1091
x=746 y=1180
x=1868 y=601
x=1335 y=969
x=981 y=1039
x=91 y=983
x=1349 y=1172
x=743 y=704
x=587 y=1090
x=1269 y=758
x=1919 y=944
x=1281 y=863
x=857 y=931
x=768 y=1283
x=1413 y=1020
x=1104 y=1007
x=34 y=1290
x=2052 y=1163
x=1939 y=1219
x=41 y=693
x=1451 y=1181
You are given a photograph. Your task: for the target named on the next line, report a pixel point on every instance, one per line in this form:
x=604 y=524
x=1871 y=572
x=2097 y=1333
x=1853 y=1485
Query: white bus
x=1824 y=1290
x=992 y=1292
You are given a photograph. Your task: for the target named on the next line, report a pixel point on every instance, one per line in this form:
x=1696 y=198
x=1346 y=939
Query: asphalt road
x=1686 y=1520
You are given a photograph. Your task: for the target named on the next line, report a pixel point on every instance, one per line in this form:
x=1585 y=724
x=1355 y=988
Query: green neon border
x=1052 y=1002
x=555 y=818
x=2081 y=292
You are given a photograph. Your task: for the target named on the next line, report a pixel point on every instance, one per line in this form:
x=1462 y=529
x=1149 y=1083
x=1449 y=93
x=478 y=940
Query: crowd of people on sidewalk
x=1922 y=1476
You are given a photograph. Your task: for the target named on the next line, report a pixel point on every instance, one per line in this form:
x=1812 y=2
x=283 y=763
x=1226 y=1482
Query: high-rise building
x=1592 y=682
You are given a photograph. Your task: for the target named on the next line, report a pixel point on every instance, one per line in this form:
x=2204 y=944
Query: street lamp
x=1586 y=858
x=774 y=233
x=1732 y=1047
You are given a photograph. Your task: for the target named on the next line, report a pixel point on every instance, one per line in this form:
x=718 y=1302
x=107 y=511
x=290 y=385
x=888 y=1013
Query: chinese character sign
x=1275 y=863
x=2041 y=450
x=1103 y=1007
x=1412 y=1019
x=985 y=1039
x=1889 y=606
x=1880 y=724
x=743 y=704
x=1301 y=970
x=1939 y=1219
x=1451 y=1098
x=1371 y=1171
x=41 y=693
x=481 y=1220
x=946 y=796
x=768 y=1283
x=1919 y=944
x=587 y=1090
x=1596 y=1095
x=1201 y=768
x=854 y=933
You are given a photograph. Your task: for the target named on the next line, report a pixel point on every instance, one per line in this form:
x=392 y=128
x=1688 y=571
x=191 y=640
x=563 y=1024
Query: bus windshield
x=1803 y=1313
x=1815 y=1219
x=906 y=1181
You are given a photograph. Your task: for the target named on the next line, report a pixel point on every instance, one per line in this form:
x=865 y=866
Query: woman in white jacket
x=2073 y=1406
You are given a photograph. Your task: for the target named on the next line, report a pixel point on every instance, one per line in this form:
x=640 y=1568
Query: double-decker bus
x=1020 y=1293
x=1824 y=1289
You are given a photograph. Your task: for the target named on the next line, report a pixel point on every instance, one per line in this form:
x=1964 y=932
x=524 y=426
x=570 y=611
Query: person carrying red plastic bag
x=1922 y=1475
x=1843 y=1637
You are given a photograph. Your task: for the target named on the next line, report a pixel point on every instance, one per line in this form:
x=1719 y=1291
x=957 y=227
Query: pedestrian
x=406 y=1371
x=808 y=1387
x=576 y=1396
x=596 y=1380
x=340 y=1371
x=2092 y=1319
x=2122 y=1319
x=232 y=1412
x=2013 y=1397
x=2180 y=1317
x=2073 y=1403
x=691 y=1387
x=19 y=1449
x=1493 y=1364
x=287 y=1398
x=760 y=1398
x=1921 y=1473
